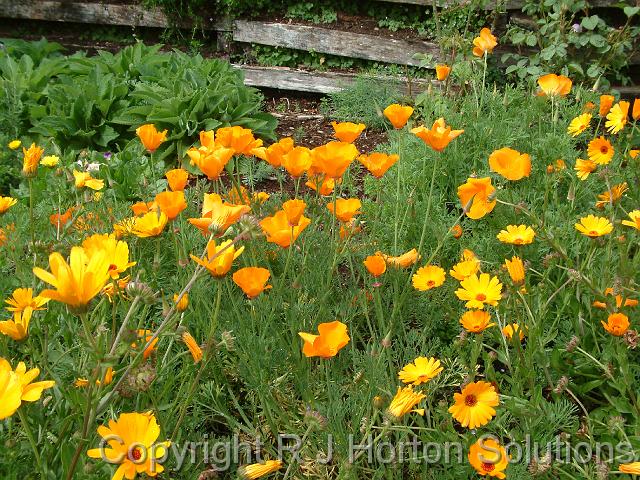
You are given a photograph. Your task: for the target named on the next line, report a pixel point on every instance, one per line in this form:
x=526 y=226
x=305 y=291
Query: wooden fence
x=303 y=37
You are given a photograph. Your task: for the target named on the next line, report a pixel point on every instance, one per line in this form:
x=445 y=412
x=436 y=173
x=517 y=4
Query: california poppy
x=177 y=179
x=171 y=203
x=150 y=137
x=398 y=114
x=332 y=337
x=484 y=43
x=378 y=163
x=442 y=71
x=252 y=280
x=347 y=131
x=439 y=136
x=278 y=230
x=332 y=159
x=345 y=208
x=510 y=163
x=553 y=85
x=219 y=258
x=477 y=197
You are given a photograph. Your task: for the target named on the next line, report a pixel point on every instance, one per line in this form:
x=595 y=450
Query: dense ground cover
x=465 y=299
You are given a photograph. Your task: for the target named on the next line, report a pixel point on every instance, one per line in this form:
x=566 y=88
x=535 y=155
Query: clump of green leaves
x=564 y=38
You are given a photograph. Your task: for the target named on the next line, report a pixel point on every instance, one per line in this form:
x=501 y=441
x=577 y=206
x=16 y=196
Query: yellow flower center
x=470 y=400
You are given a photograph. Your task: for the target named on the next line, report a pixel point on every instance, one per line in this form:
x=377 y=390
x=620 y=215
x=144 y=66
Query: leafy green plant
x=563 y=37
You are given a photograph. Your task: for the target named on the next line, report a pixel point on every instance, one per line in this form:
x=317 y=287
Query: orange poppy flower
x=333 y=158
x=606 y=102
x=398 y=115
x=297 y=161
x=347 y=131
x=635 y=112
x=484 y=43
x=480 y=194
x=252 y=280
x=276 y=151
x=60 y=220
x=278 y=230
x=617 y=324
x=378 y=163
x=294 y=209
x=554 y=85
x=375 y=265
x=171 y=203
x=332 y=337
x=219 y=258
x=510 y=163
x=217 y=215
x=150 y=137
x=177 y=179
x=345 y=209
x=442 y=71
x=349 y=229
x=439 y=136
x=240 y=140
x=140 y=208
x=192 y=345
x=403 y=261
x=326 y=186
x=210 y=161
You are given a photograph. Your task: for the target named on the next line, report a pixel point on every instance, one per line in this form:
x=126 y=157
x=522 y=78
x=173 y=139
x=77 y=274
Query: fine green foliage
x=564 y=392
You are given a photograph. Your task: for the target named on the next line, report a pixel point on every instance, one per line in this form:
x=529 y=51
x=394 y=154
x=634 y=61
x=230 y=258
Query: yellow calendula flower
x=10 y=390
x=78 y=281
x=612 y=197
x=617 y=117
x=149 y=225
x=6 y=203
x=258 y=470
x=14 y=144
x=84 y=179
x=465 y=268
x=476 y=321
x=515 y=267
x=50 y=161
x=22 y=300
x=31 y=159
x=183 y=303
x=116 y=251
x=473 y=407
x=420 y=371
x=517 y=235
x=480 y=290
x=513 y=328
x=404 y=402
x=600 y=151
x=635 y=220
x=584 y=168
x=428 y=277
x=593 y=226
x=17 y=327
x=579 y=124
x=31 y=391
x=130 y=442
x=219 y=258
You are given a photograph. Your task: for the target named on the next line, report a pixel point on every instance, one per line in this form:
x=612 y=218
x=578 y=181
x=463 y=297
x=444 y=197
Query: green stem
x=32 y=441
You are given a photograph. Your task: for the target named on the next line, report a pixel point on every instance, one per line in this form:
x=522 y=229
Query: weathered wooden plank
x=334 y=42
x=95 y=13
x=283 y=78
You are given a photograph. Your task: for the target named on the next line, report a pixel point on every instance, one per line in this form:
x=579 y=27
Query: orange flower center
x=113 y=267
x=470 y=400
x=518 y=241
x=431 y=283
x=488 y=467
x=136 y=454
x=593 y=233
x=604 y=149
x=481 y=297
